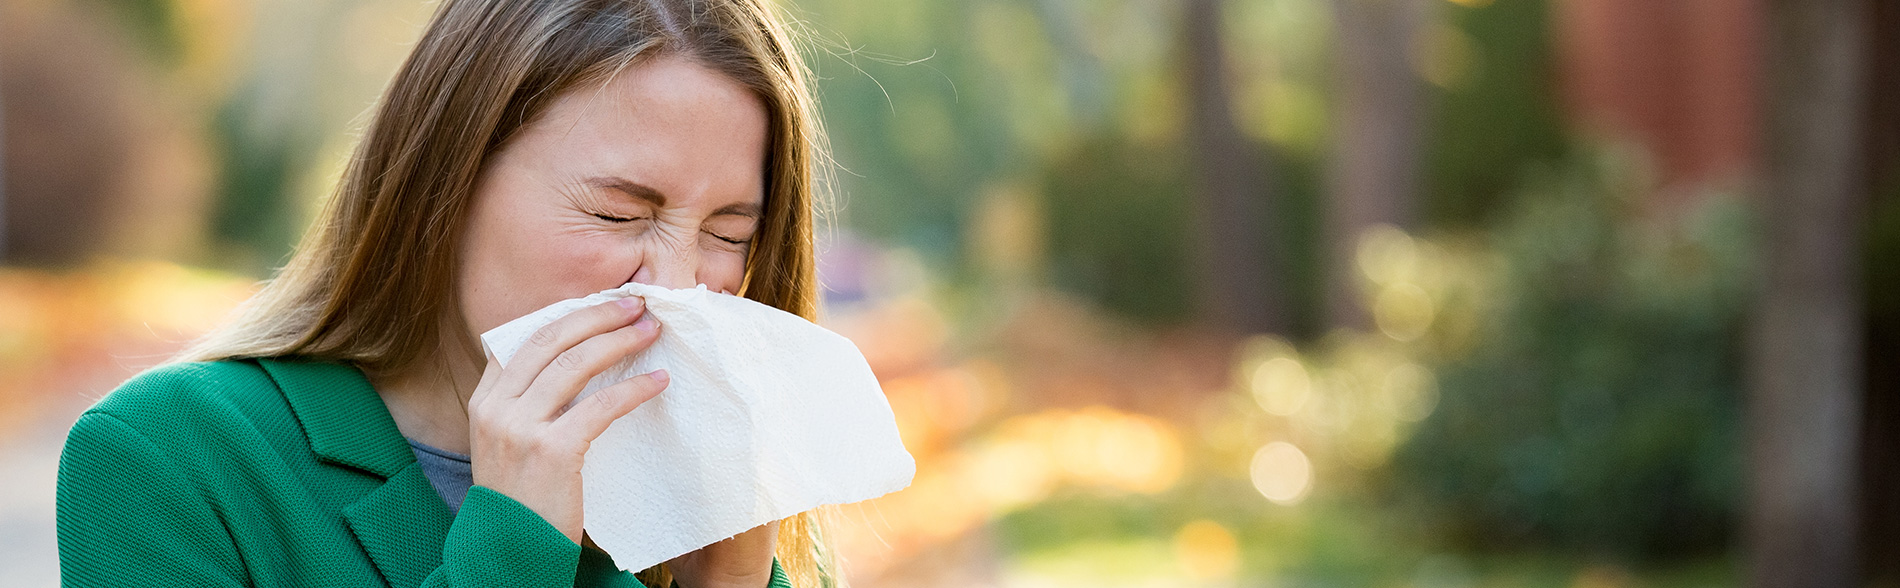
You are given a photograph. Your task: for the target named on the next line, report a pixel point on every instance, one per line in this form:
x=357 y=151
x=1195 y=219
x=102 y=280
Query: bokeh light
x=1207 y=551
x=1282 y=473
x=1281 y=386
x=1403 y=310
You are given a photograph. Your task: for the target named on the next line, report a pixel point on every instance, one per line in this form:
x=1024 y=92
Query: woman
x=348 y=429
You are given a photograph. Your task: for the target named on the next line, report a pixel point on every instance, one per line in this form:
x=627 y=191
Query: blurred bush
x=1494 y=107
x=1597 y=407
x=1101 y=195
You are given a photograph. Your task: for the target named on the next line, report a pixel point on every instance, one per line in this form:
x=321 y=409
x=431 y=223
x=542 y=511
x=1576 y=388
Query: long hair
x=373 y=276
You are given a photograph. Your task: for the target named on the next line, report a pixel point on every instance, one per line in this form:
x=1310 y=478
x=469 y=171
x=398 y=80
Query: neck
x=429 y=397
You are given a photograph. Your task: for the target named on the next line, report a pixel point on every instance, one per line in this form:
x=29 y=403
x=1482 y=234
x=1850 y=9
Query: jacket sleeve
x=128 y=515
x=779 y=579
x=496 y=541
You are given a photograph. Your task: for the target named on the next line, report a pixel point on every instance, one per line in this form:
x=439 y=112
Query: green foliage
x=1499 y=115
x=152 y=22
x=914 y=138
x=1298 y=204
x=255 y=217
x=1119 y=223
x=1881 y=251
x=1599 y=409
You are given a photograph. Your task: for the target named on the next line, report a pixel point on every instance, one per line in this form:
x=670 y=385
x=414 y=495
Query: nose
x=675 y=268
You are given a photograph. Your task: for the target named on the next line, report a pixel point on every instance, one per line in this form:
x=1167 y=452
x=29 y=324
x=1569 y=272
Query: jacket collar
x=346 y=421
x=400 y=524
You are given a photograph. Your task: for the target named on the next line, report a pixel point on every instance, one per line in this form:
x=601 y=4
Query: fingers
x=523 y=445
x=591 y=416
x=551 y=341
x=569 y=372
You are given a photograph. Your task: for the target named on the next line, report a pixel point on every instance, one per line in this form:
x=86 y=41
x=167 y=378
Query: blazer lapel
x=400 y=524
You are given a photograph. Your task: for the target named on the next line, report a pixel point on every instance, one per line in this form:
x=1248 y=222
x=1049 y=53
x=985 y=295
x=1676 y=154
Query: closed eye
x=614 y=219
x=732 y=241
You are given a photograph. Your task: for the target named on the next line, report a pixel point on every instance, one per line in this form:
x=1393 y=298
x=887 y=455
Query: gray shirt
x=449 y=472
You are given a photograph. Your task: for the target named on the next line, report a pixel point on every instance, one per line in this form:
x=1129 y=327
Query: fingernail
x=659 y=375
x=646 y=323
x=631 y=302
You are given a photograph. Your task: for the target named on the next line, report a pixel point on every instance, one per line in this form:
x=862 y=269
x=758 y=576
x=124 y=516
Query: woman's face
x=655 y=177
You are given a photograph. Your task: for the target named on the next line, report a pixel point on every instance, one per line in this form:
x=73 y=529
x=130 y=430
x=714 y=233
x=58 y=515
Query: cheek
x=515 y=262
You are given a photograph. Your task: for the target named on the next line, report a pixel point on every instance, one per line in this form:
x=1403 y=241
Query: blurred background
x=1396 y=293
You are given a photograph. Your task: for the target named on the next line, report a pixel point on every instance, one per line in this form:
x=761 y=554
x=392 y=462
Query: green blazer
x=277 y=472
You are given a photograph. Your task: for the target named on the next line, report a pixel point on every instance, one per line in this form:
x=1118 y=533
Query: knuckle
x=572 y=359
x=546 y=336
x=558 y=444
x=484 y=425
x=605 y=399
x=478 y=411
x=522 y=436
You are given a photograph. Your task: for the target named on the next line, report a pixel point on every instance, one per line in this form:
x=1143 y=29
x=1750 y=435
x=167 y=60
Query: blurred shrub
x=1118 y=227
x=1493 y=107
x=1597 y=407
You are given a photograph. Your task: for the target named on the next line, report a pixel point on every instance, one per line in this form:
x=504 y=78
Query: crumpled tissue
x=765 y=416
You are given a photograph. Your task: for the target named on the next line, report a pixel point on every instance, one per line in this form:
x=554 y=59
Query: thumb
x=490 y=372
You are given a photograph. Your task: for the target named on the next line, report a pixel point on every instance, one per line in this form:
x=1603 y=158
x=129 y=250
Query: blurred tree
x=70 y=127
x=1234 y=268
x=1804 y=362
x=1376 y=144
x=3 y=168
x=1880 y=470
x=1493 y=109
x=294 y=90
x=1104 y=191
x=915 y=141
x=256 y=217
x=153 y=23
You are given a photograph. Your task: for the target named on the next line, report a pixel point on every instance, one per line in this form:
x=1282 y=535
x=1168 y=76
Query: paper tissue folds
x=766 y=415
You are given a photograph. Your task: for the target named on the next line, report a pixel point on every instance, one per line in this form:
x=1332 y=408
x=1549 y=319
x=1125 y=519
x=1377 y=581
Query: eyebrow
x=643 y=192
x=630 y=188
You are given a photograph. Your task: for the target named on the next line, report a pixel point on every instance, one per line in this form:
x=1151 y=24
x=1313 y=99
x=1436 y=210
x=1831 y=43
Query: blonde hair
x=373 y=275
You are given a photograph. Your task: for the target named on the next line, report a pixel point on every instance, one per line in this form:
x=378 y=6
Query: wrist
x=761 y=582
x=689 y=578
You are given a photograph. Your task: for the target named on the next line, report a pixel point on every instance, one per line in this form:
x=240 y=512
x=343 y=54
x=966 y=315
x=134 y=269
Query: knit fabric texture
x=278 y=472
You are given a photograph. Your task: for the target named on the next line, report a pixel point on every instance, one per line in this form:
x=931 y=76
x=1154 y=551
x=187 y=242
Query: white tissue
x=766 y=415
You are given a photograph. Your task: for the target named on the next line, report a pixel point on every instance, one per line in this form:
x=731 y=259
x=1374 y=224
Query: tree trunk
x=1234 y=260
x=1804 y=354
x=1376 y=140
x=1880 y=424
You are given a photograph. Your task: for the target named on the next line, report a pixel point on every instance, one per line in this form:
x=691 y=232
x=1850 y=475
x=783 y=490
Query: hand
x=742 y=561
x=522 y=443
